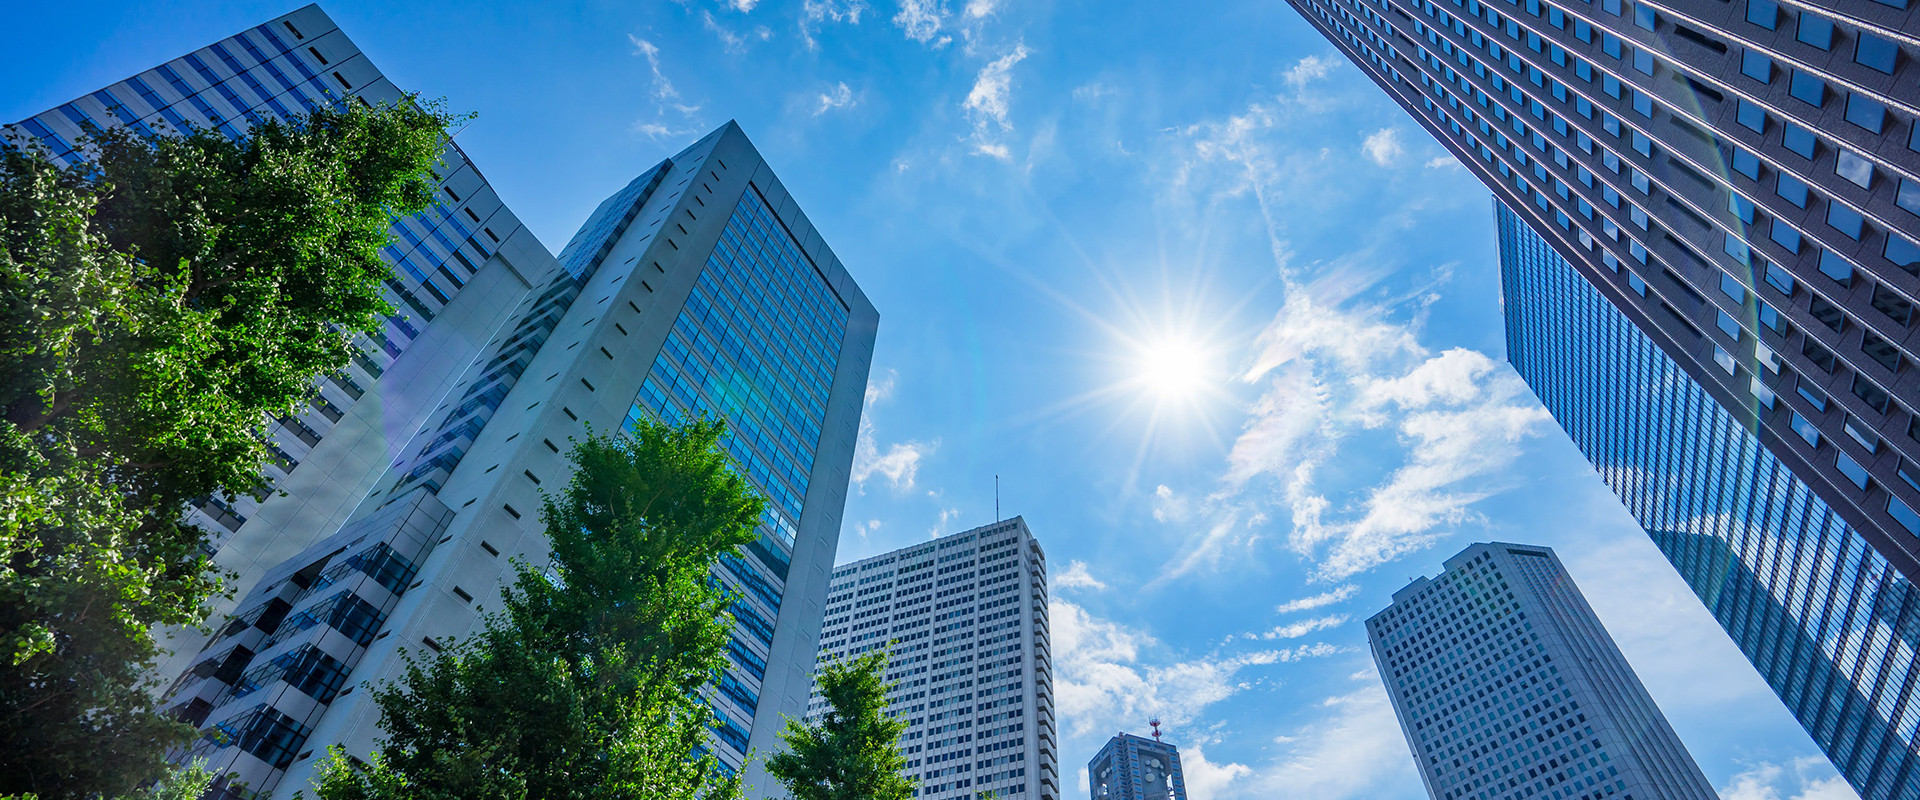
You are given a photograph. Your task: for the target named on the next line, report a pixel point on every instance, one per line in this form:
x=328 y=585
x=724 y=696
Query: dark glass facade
x=1824 y=617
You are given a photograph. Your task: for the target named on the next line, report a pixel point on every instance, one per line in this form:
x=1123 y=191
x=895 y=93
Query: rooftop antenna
x=996 y=498
x=1155 y=722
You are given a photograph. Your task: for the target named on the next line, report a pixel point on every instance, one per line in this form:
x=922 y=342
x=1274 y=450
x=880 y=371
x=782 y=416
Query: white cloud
x=1383 y=146
x=1308 y=70
x=840 y=96
x=815 y=13
x=1356 y=748
x=1443 y=162
x=1077 y=576
x=1092 y=91
x=1295 y=630
x=988 y=103
x=1169 y=505
x=865 y=529
x=977 y=9
x=1206 y=780
x=733 y=41
x=742 y=6
x=665 y=96
x=1102 y=684
x=1802 y=779
x=899 y=463
x=922 y=20
x=1336 y=595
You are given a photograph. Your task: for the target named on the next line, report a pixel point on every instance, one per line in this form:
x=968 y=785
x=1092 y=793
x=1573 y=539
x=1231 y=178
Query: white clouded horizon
x=1800 y=779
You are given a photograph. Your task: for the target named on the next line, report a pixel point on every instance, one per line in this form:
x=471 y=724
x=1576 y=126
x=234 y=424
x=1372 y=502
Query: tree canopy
x=585 y=683
x=160 y=299
x=852 y=752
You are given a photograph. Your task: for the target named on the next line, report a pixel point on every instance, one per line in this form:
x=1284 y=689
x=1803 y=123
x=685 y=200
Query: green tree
x=585 y=683
x=159 y=301
x=853 y=752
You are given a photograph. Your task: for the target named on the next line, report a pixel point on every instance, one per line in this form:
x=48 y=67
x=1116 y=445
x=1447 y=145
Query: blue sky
x=1059 y=208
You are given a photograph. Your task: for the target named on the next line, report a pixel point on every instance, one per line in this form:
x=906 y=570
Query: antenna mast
x=1155 y=722
x=996 y=498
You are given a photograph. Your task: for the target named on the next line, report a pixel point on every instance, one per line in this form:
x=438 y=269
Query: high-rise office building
x=963 y=619
x=459 y=267
x=1828 y=620
x=699 y=288
x=1740 y=178
x=1133 y=767
x=1507 y=686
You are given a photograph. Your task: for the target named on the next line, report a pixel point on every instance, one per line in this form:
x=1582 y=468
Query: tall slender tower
x=963 y=619
x=459 y=268
x=699 y=288
x=1507 y=687
x=1829 y=622
x=1738 y=182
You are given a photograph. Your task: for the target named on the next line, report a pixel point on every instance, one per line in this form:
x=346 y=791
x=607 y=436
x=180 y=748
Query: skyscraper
x=1507 y=686
x=458 y=269
x=699 y=288
x=1741 y=179
x=1829 y=621
x=1131 y=767
x=963 y=619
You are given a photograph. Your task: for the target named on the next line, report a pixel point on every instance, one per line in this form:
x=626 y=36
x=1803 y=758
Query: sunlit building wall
x=1508 y=687
x=1827 y=620
x=699 y=288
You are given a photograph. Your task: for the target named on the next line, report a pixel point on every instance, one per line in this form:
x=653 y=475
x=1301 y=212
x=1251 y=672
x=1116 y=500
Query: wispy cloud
x=978 y=9
x=898 y=462
x=734 y=41
x=666 y=98
x=1077 y=576
x=1308 y=70
x=839 y=96
x=922 y=21
x=1108 y=678
x=1800 y=779
x=816 y=13
x=1338 y=594
x=988 y=103
x=1356 y=748
x=1383 y=146
x=1295 y=630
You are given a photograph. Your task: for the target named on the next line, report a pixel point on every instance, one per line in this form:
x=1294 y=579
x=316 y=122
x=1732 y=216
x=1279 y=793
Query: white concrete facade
x=963 y=619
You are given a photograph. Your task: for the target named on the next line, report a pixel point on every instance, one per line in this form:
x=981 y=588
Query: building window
x=1741 y=207
x=1903 y=515
x=1851 y=468
x=1799 y=140
x=1851 y=166
x=1644 y=17
x=1875 y=52
x=1815 y=30
x=1903 y=252
x=1808 y=89
x=1791 y=189
x=1756 y=65
x=1806 y=429
x=1727 y=324
x=1866 y=112
x=1870 y=393
x=1780 y=279
x=1909 y=196
x=1836 y=267
x=1844 y=219
x=1752 y=117
x=1746 y=163
x=1764 y=13
x=1784 y=234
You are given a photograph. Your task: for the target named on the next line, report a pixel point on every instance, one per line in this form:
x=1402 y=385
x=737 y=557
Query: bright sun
x=1173 y=369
